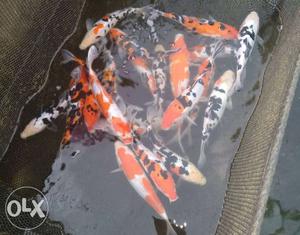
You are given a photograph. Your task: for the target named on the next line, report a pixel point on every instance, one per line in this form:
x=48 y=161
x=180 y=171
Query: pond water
x=282 y=216
x=82 y=192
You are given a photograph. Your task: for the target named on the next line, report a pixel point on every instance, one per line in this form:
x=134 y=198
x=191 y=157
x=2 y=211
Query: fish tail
x=92 y=55
x=218 y=49
x=69 y=56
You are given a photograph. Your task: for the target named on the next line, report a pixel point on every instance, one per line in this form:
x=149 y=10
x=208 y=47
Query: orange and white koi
x=179 y=166
x=162 y=179
x=246 y=38
x=209 y=28
x=179 y=66
x=109 y=108
x=78 y=92
x=137 y=56
x=180 y=107
x=219 y=99
x=137 y=178
x=45 y=119
x=103 y=26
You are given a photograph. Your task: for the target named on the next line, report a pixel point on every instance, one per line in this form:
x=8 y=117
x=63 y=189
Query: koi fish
x=179 y=66
x=156 y=170
x=104 y=25
x=77 y=92
x=180 y=107
x=180 y=166
x=137 y=178
x=137 y=55
x=246 y=37
x=45 y=119
x=219 y=99
x=109 y=108
x=208 y=28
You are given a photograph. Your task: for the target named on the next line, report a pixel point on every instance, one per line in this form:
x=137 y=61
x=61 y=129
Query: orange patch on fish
x=211 y=28
x=172 y=113
x=179 y=66
x=97 y=28
x=91 y=112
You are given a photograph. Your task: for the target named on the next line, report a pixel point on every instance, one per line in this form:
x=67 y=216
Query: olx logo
x=26 y=214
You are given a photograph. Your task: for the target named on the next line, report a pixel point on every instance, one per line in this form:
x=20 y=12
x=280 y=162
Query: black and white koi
x=179 y=165
x=46 y=118
x=246 y=38
x=219 y=99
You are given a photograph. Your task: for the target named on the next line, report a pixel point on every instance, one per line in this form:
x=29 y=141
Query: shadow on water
x=82 y=192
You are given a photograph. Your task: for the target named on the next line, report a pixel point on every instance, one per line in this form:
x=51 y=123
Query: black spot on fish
x=219 y=90
x=246 y=31
x=146 y=161
x=46 y=121
x=194 y=94
x=164 y=174
x=151 y=168
x=194 y=29
x=211 y=22
x=222 y=26
x=239 y=66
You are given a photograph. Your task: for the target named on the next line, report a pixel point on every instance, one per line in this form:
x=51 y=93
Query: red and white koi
x=179 y=166
x=109 y=108
x=246 y=38
x=103 y=26
x=162 y=179
x=209 y=28
x=219 y=99
x=137 y=178
x=179 y=66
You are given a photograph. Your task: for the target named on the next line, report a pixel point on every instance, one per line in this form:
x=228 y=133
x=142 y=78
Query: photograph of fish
x=187 y=86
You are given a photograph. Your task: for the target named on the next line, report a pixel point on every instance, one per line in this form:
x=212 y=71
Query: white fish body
x=217 y=103
x=246 y=37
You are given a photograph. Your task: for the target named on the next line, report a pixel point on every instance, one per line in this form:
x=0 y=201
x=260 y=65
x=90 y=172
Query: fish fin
x=202 y=158
x=52 y=127
x=67 y=56
x=116 y=171
x=93 y=53
x=179 y=137
x=190 y=120
x=229 y=103
x=238 y=84
x=89 y=24
x=75 y=74
x=260 y=41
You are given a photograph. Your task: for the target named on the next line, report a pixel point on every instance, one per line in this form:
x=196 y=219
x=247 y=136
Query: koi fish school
x=92 y=99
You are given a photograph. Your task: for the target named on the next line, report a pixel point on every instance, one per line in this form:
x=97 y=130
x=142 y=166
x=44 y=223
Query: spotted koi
x=156 y=170
x=45 y=119
x=179 y=166
x=219 y=99
x=206 y=27
x=77 y=92
x=246 y=38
